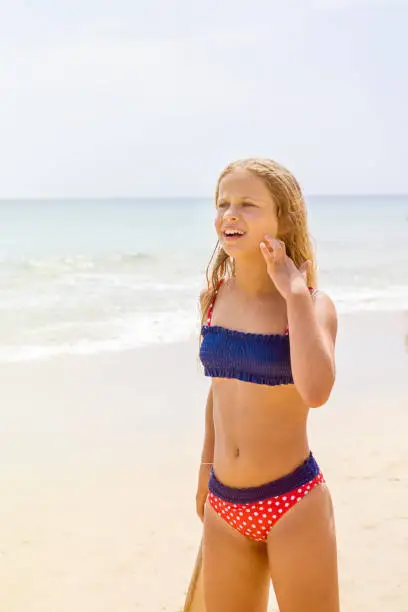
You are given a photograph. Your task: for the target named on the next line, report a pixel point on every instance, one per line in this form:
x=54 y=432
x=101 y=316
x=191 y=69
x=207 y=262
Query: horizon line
x=190 y=197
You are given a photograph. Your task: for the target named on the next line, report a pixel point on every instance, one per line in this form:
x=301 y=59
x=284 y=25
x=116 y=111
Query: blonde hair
x=293 y=225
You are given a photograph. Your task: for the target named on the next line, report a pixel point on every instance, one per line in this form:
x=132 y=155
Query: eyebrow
x=242 y=199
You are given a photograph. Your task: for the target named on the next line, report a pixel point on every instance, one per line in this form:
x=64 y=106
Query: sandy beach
x=99 y=457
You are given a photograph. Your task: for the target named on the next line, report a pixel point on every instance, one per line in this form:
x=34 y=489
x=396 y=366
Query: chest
x=259 y=317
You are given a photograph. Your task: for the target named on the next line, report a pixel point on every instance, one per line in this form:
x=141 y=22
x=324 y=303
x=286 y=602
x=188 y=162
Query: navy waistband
x=303 y=474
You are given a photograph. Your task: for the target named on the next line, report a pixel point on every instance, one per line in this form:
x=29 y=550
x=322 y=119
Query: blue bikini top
x=257 y=358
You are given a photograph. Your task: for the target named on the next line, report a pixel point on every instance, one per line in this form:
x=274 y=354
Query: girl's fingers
x=266 y=252
x=278 y=248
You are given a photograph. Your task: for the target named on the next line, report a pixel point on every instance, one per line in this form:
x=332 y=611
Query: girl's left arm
x=313 y=331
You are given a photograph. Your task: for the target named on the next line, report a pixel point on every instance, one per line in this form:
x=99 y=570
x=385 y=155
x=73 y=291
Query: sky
x=122 y=99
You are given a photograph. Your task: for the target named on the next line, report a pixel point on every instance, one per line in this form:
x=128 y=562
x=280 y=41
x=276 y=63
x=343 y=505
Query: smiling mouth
x=232 y=235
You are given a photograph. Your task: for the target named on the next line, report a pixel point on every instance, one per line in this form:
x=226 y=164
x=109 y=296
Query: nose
x=231 y=215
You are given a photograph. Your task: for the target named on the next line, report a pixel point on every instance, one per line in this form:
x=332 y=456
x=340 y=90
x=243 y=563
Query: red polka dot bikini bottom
x=254 y=511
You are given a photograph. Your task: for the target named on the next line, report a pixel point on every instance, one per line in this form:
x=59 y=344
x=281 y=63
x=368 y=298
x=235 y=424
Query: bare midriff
x=260 y=432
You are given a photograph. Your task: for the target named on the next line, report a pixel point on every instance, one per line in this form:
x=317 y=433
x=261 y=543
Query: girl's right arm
x=207 y=454
x=207 y=457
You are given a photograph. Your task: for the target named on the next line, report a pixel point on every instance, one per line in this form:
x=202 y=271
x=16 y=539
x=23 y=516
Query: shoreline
x=54 y=353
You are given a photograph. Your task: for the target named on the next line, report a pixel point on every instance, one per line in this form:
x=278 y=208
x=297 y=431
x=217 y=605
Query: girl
x=268 y=339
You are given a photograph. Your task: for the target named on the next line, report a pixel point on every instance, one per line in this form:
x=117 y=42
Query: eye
x=246 y=204
x=222 y=204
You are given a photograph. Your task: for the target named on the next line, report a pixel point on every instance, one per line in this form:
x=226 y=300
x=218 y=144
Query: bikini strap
x=211 y=307
x=313 y=293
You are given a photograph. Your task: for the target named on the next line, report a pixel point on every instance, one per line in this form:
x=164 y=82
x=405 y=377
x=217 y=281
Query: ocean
x=87 y=276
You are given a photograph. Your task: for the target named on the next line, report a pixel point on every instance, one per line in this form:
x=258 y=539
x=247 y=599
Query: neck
x=252 y=279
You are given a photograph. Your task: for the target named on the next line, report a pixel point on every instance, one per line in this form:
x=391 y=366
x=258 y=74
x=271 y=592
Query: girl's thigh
x=235 y=569
x=302 y=555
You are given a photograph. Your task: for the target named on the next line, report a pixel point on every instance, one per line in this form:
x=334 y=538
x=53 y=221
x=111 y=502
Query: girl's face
x=245 y=209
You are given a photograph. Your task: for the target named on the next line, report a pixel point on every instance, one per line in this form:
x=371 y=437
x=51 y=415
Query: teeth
x=233 y=233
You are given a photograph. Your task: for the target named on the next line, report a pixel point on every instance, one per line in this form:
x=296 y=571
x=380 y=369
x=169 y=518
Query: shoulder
x=323 y=300
x=209 y=296
x=204 y=301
